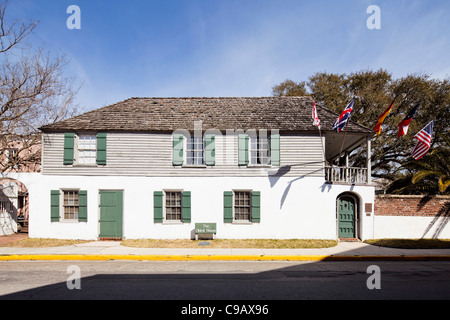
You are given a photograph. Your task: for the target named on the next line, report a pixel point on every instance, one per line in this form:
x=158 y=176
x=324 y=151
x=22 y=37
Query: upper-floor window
x=195 y=151
x=84 y=149
x=259 y=150
x=87 y=149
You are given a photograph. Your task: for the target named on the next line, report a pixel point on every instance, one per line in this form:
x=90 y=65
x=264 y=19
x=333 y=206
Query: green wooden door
x=346 y=217
x=111 y=206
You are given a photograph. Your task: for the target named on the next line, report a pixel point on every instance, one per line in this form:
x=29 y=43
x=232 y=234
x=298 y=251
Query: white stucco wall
x=303 y=208
x=411 y=227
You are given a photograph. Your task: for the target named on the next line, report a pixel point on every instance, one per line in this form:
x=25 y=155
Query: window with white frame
x=242 y=205
x=195 y=151
x=259 y=150
x=87 y=149
x=71 y=204
x=173 y=205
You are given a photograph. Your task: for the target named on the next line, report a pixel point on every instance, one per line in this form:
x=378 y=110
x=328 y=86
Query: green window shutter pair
x=177 y=150
x=243 y=141
x=54 y=206
x=69 y=145
x=228 y=206
x=158 y=198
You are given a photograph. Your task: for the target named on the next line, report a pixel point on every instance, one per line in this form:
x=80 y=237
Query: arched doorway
x=347 y=216
x=14 y=208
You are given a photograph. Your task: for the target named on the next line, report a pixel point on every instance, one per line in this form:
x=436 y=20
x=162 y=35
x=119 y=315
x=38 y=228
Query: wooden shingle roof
x=169 y=114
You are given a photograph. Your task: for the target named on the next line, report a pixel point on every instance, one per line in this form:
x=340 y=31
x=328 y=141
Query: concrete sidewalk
x=113 y=250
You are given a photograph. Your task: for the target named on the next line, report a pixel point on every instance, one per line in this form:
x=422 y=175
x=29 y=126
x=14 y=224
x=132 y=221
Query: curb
x=56 y=257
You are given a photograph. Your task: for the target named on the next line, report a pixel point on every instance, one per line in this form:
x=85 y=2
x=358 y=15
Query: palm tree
x=437 y=165
x=429 y=175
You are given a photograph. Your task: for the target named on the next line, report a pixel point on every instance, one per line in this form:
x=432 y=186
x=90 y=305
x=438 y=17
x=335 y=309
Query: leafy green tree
x=374 y=92
x=289 y=88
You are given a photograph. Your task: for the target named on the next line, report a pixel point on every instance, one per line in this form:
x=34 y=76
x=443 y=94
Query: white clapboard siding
x=150 y=154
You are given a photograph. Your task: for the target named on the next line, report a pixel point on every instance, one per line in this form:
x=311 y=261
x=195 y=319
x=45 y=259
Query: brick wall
x=424 y=206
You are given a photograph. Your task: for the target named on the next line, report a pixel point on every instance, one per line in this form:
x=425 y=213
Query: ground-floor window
x=71 y=204
x=242 y=205
x=173 y=206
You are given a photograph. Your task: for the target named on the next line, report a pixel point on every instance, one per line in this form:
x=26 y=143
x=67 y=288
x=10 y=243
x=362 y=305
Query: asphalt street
x=224 y=280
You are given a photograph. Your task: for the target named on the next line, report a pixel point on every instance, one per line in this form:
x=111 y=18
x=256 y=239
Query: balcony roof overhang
x=337 y=144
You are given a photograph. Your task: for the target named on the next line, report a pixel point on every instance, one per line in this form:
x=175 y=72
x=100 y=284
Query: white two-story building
x=153 y=167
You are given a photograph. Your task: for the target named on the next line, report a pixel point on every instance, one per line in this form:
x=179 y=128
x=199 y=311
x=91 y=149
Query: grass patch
x=411 y=243
x=231 y=243
x=41 y=243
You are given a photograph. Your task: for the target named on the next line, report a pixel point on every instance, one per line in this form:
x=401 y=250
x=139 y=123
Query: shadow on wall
x=440 y=220
x=8 y=208
x=274 y=177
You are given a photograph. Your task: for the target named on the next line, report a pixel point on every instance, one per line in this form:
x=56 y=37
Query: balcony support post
x=369 y=161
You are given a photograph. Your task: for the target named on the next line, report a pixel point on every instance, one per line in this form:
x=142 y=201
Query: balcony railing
x=347 y=175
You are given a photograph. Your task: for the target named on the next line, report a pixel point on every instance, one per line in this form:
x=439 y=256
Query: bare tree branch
x=33 y=92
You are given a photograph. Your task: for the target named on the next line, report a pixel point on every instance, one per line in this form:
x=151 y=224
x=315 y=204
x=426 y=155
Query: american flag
x=339 y=124
x=423 y=145
x=316 y=121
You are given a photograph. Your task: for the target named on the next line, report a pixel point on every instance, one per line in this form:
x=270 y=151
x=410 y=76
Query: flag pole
x=345 y=126
x=321 y=141
x=316 y=122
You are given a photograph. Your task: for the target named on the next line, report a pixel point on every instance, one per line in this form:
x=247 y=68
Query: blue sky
x=223 y=48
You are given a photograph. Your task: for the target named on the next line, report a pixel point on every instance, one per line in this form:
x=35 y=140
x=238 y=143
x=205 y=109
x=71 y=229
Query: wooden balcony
x=346 y=175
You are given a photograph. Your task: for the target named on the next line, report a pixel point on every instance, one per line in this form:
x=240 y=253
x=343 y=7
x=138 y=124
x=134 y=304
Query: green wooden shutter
x=243 y=149
x=82 y=206
x=69 y=138
x=177 y=150
x=186 y=206
x=101 y=149
x=158 y=206
x=275 y=149
x=54 y=205
x=210 y=150
x=228 y=206
x=256 y=206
